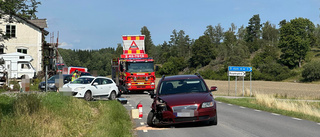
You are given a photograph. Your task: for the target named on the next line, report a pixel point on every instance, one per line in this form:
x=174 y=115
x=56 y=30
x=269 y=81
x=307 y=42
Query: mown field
x=52 y=114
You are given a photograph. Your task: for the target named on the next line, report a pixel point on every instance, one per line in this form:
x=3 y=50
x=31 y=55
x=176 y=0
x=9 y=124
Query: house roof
x=41 y=23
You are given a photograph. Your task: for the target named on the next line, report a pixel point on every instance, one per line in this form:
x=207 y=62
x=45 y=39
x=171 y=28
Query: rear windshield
x=182 y=86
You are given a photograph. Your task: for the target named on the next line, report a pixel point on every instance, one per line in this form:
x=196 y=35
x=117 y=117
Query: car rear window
x=182 y=86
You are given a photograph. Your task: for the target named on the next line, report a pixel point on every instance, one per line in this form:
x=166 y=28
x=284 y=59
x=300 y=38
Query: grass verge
x=255 y=104
x=52 y=114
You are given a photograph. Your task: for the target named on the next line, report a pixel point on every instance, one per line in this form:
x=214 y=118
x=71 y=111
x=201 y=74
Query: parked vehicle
x=70 y=70
x=16 y=65
x=181 y=99
x=90 y=87
x=134 y=70
x=53 y=81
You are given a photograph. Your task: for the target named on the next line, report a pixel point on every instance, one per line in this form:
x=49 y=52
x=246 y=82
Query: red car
x=182 y=99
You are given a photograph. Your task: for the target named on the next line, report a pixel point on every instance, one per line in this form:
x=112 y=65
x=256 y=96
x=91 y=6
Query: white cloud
x=65 y=45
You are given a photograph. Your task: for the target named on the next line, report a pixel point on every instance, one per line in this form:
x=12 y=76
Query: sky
x=96 y=24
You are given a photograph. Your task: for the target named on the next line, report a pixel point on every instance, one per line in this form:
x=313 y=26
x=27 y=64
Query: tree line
x=274 y=53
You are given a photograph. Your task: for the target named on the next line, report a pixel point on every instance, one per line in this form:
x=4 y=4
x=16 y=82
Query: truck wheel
x=112 y=96
x=87 y=96
x=150 y=119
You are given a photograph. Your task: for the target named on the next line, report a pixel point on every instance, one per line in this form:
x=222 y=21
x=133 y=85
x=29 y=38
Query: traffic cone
x=139 y=107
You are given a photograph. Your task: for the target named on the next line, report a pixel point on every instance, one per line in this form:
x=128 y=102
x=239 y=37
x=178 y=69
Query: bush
x=311 y=71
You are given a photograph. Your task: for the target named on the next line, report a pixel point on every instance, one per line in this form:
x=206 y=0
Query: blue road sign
x=237 y=68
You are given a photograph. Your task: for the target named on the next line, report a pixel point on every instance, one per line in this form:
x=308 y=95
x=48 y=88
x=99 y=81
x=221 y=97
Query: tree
x=311 y=71
x=270 y=34
x=180 y=44
x=253 y=33
x=215 y=33
x=202 y=52
x=147 y=41
x=296 y=38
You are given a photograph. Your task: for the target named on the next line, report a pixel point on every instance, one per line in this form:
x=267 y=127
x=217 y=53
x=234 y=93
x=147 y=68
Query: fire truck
x=134 y=70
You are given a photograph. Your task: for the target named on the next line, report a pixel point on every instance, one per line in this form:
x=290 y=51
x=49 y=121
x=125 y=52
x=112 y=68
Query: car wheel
x=112 y=96
x=214 y=121
x=87 y=96
x=150 y=119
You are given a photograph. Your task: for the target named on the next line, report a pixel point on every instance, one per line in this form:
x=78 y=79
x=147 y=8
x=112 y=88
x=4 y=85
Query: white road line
x=275 y=114
x=230 y=104
x=130 y=105
x=141 y=123
x=318 y=124
x=219 y=102
x=296 y=118
x=242 y=107
x=145 y=130
x=257 y=110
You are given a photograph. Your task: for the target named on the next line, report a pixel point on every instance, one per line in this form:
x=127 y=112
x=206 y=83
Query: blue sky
x=96 y=24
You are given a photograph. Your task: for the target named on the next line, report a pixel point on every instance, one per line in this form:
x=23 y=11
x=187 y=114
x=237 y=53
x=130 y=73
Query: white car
x=89 y=87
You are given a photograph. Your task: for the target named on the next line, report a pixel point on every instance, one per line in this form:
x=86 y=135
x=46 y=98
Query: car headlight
x=207 y=104
x=129 y=84
x=51 y=84
x=79 y=88
x=152 y=83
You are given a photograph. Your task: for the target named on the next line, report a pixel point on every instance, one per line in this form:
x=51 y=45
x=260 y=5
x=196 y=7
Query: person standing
x=75 y=75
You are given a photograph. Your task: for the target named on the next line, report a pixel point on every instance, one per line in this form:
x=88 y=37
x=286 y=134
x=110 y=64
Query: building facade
x=26 y=36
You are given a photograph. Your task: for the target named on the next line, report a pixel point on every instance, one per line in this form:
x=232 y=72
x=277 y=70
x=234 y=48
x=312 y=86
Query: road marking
x=242 y=107
x=318 y=124
x=257 y=110
x=275 y=114
x=145 y=130
x=230 y=104
x=142 y=123
x=296 y=118
x=219 y=102
x=130 y=105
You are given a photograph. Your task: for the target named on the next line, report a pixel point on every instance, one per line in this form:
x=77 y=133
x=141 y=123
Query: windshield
x=54 y=77
x=139 y=67
x=82 y=80
x=182 y=86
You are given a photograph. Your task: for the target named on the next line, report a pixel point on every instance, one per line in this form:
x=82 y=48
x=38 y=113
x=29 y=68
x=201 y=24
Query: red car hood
x=185 y=99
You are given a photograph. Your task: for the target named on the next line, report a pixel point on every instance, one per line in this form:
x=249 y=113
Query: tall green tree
x=202 y=52
x=215 y=33
x=253 y=33
x=270 y=34
x=147 y=41
x=296 y=38
x=180 y=44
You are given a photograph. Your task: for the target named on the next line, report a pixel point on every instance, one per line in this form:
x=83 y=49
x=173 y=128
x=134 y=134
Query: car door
x=97 y=90
x=106 y=86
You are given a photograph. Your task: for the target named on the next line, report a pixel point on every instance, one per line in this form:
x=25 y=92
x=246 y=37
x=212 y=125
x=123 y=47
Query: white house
x=26 y=36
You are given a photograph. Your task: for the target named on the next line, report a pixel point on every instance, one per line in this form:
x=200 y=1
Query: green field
x=51 y=114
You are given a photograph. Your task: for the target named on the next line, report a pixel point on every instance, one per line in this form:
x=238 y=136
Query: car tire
x=214 y=121
x=87 y=96
x=150 y=119
x=112 y=95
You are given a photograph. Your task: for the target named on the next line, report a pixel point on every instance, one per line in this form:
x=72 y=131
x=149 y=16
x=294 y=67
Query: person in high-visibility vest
x=75 y=75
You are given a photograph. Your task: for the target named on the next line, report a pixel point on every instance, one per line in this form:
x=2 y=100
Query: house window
x=22 y=51
x=11 y=30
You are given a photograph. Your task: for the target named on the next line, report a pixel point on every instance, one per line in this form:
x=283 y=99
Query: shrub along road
x=232 y=121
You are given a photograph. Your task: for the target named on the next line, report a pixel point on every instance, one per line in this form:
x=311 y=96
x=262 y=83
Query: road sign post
x=239 y=71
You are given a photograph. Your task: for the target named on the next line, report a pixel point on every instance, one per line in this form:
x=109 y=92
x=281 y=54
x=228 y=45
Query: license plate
x=42 y=86
x=140 y=83
x=184 y=114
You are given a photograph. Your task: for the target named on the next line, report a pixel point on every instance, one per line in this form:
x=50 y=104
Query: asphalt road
x=233 y=121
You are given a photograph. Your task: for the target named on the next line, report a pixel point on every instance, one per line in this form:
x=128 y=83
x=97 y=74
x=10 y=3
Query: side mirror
x=214 y=88
x=95 y=83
